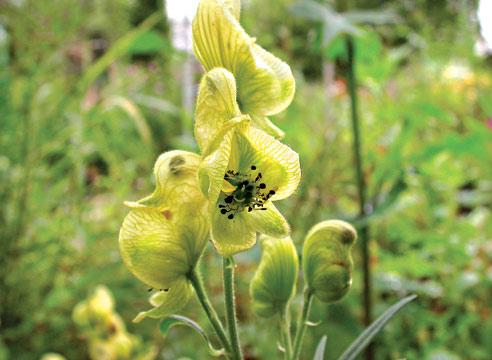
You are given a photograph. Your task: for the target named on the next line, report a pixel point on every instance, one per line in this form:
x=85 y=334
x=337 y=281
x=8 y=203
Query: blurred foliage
x=89 y=97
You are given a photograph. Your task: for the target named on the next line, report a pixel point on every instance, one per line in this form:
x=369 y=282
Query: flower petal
x=213 y=168
x=263 y=123
x=266 y=85
x=216 y=105
x=278 y=163
x=176 y=180
x=270 y=222
x=274 y=282
x=149 y=245
x=168 y=302
x=231 y=236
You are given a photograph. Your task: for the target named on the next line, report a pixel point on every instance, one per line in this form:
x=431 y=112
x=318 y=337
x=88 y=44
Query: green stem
x=285 y=332
x=361 y=187
x=230 y=306
x=302 y=324
x=197 y=284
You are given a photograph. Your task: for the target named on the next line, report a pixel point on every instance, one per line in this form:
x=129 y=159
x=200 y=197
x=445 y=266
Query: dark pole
x=361 y=187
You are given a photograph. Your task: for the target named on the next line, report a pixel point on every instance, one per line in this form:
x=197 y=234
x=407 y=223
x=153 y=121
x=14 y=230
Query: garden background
x=92 y=91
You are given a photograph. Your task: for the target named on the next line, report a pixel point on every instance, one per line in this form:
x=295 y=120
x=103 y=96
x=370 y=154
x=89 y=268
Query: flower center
x=250 y=193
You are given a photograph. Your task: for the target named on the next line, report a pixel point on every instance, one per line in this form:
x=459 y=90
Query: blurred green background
x=91 y=93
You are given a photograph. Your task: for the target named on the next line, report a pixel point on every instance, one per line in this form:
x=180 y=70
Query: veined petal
x=274 y=282
x=176 y=180
x=218 y=38
x=234 y=7
x=269 y=222
x=151 y=248
x=213 y=168
x=216 y=105
x=278 y=164
x=168 y=302
x=266 y=85
x=263 y=123
x=231 y=236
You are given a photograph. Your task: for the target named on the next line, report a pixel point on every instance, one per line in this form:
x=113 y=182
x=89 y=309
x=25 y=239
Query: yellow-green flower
x=164 y=234
x=266 y=85
x=274 y=282
x=327 y=261
x=243 y=169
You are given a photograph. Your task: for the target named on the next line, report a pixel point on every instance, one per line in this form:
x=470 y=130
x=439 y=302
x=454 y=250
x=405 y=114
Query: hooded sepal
x=266 y=85
x=327 y=259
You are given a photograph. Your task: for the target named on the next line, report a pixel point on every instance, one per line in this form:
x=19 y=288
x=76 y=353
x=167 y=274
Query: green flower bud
x=326 y=259
x=274 y=283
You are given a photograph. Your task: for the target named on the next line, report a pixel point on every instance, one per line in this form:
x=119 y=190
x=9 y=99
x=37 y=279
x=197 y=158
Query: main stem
x=361 y=186
x=230 y=306
x=301 y=326
x=197 y=284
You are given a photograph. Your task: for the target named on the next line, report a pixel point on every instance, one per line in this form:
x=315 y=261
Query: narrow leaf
x=320 y=349
x=370 y=332
x=175 y=320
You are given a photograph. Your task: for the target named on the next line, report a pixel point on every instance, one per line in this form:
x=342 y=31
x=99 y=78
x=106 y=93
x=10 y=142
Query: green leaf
x=150 y=42
x=320 y=349
x=370 y=332
x=175 y=320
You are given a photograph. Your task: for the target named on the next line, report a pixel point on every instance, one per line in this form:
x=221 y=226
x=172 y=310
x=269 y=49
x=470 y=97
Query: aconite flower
x=274 y=282
x=243 y=169
x=96 y=316
x=326 y=259
x=164 y=234
x=266 y=85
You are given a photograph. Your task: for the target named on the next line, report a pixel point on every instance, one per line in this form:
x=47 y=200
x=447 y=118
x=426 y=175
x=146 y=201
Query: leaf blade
x=178 y=320
x=320 y=349
x=370 y=332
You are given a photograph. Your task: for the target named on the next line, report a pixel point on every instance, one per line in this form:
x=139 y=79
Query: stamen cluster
x=249 y=194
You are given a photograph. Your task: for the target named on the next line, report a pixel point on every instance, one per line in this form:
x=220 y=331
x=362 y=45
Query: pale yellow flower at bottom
x=163 y=236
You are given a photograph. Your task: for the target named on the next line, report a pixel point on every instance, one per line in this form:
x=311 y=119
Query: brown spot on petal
x=167 y=214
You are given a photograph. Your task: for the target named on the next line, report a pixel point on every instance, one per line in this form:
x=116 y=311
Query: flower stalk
x=285 y=332
x=202 y=296
x=230 y=307
x=302 y=324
